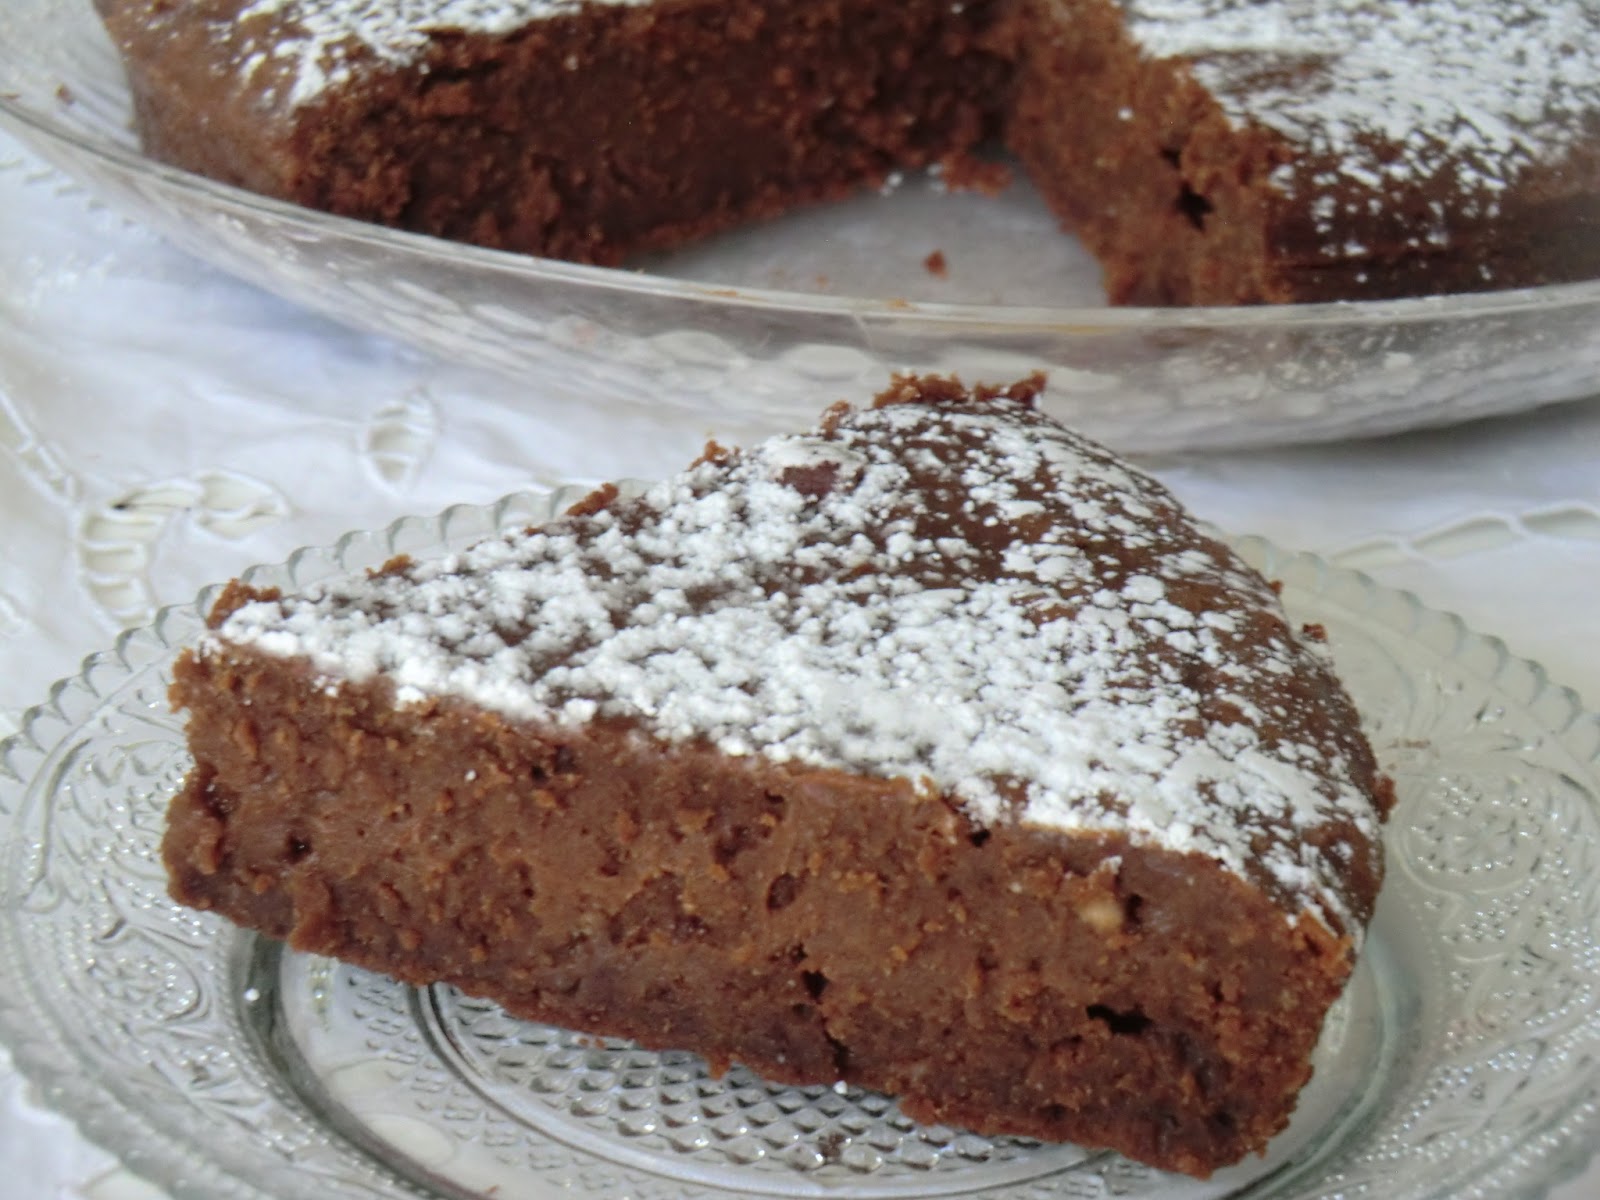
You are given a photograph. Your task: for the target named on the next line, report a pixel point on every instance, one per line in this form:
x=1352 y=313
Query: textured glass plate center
x=666 y=1111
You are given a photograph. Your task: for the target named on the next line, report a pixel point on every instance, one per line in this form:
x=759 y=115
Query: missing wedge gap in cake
x=603 y=132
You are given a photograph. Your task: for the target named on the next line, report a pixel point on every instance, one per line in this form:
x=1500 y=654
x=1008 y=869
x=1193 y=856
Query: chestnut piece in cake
x=934 y=750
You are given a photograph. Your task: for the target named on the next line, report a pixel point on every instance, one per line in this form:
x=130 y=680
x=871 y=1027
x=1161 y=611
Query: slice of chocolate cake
x=934 y=750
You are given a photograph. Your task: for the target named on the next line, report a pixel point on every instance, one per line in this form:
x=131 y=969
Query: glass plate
x=1463 y=1058
x=759 y=325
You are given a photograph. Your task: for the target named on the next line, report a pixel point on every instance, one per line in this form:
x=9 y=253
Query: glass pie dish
x=1461 y=1060
x=761 y=325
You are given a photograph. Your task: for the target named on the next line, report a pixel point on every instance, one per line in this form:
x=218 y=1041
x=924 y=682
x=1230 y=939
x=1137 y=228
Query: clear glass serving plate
x=1464 y=1059
x=768 y=324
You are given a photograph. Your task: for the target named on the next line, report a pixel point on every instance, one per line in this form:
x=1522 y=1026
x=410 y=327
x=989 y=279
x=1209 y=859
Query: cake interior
x=806 y=923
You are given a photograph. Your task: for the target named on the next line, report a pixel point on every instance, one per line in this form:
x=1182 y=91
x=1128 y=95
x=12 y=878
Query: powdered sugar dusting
x=324 y=42
x=1470 y=91
x=962 y=595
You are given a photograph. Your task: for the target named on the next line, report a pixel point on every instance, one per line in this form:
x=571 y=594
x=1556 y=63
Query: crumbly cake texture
x=1316 y=149
x=934 y=750
x=586 y=132
x=1209 y=151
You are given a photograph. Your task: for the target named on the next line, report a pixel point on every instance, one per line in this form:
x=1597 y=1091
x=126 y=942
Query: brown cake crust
x=1012 y=973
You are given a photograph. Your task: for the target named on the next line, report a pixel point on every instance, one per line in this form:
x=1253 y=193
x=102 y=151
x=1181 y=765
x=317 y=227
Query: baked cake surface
x=1317 y=148
x=1209 y=151
x=934 y=750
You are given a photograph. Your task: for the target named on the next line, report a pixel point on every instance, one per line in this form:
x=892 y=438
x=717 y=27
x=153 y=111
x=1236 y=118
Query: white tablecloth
x=163 y=426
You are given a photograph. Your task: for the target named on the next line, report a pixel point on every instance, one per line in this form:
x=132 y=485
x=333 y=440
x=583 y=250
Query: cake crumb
x=965 y=173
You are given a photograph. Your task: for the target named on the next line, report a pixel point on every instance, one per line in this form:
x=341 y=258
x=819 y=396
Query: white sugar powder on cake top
x=1395 y=91
x=318 y=35
x=1010 y=661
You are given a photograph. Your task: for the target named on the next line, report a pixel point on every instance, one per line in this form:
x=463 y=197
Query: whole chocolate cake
x=934 y=750
x=1209 y=151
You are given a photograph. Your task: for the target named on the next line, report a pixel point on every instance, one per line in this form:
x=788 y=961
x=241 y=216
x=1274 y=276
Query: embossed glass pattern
x=1464 y=1058
x=755 y=325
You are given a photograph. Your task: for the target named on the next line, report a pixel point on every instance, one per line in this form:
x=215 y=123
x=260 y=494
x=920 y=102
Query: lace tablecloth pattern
x=163 y=426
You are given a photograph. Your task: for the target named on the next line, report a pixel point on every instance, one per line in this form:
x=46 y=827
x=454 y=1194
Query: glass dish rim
x=1562 y=1151
x=999 y=319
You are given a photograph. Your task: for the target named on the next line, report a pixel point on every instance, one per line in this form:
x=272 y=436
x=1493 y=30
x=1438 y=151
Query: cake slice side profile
x=934 y=750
